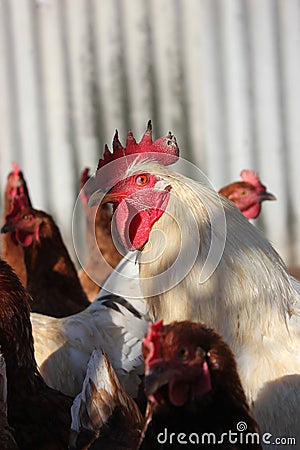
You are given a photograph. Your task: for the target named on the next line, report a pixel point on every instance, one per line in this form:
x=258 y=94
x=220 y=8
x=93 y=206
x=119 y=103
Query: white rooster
x=202 y=260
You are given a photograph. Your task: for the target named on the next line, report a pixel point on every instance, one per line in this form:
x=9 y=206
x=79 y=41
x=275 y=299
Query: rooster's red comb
x=152 y=342
x=165 y=149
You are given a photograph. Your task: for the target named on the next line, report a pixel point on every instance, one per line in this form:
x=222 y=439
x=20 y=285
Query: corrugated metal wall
x=223 y=75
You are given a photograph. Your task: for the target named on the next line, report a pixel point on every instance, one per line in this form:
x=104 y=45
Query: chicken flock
x=190 y=334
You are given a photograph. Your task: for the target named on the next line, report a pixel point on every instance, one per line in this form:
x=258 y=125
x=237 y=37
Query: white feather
x=63 y=346
x=250 y=299
x=97 y=371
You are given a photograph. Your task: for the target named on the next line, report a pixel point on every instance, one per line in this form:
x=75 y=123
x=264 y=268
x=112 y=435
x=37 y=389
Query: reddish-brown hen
x=52 y=279
x=248 y=194
x=193 y=388
x=16 y=196
x=39 y=415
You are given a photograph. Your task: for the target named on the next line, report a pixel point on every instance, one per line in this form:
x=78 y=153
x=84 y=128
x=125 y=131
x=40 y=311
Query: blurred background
x=222 y=75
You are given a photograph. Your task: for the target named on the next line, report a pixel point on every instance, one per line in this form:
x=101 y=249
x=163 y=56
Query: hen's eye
x=141 y=180
x=183 y=353
x=243 y=192
x=27 y=217
x=202 y=353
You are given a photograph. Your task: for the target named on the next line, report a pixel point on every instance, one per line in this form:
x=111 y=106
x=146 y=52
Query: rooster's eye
x=243 y=192
x=141 y=180
x=183 y=353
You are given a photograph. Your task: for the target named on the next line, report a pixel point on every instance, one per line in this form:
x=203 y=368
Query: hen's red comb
x=152 y=342
x=249 y=176
x=15 y=169
x=165 y=149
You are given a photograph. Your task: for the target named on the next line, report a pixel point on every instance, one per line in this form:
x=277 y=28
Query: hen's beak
x=267 y=196
x=7 y=227
x=157 y=377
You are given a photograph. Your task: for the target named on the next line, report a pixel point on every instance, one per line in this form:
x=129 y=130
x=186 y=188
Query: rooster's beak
x=111 y=197
x=99 y=198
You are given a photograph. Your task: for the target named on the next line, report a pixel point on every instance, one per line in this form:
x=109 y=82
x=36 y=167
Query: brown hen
x=52 y=279
x=16 y=196
x=247 y=195
x=195 y=394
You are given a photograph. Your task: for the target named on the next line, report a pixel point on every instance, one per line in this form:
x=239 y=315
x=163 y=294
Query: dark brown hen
x=52 y=279
x=39 y=415
x=194 y=391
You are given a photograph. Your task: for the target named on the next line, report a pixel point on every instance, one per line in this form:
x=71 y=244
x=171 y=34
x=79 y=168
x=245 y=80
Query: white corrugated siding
x=223 y=75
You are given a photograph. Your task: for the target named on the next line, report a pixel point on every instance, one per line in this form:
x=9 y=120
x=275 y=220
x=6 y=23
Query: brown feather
x=39 y=415
x=52 y=279
x=108 y=417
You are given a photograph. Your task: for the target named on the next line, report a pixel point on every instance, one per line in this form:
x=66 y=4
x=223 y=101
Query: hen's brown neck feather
x=52 y=278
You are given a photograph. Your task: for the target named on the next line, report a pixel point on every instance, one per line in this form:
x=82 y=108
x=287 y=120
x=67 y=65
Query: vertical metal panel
x=238 y=104
x=62 y=176
x=289 y=44
x=165 y=34
x=267 y=113
x=6 y=105
x=222 y=75
x=109 y=69
x=28 y=94
x=192 y=43
x=137 y=64
x=214 y=124
x=81 y=80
